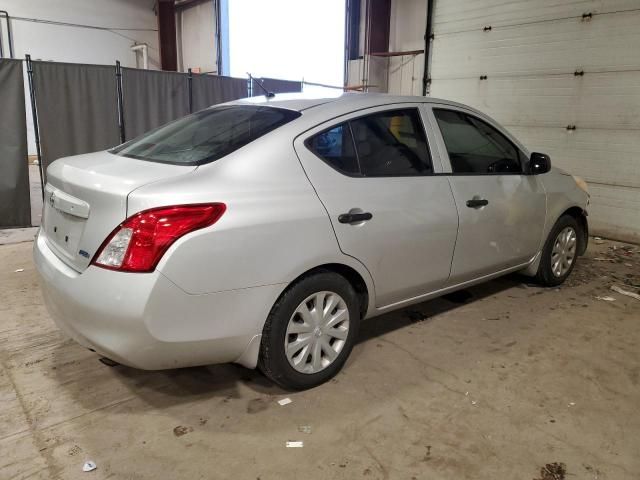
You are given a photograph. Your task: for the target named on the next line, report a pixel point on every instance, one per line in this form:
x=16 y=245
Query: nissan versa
x=263 y=231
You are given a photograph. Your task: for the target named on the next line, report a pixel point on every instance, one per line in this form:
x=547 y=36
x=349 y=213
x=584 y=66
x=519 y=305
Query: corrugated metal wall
x=551 y=65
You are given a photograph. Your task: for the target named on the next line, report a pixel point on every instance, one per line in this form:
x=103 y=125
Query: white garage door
x=564 y=77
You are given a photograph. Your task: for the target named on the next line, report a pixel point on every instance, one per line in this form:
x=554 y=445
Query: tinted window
x=476 y=147
x=335 y=146
x=391 y=143
x=207 y=135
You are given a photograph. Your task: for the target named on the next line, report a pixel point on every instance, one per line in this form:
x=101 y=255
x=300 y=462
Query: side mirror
x=539 y=163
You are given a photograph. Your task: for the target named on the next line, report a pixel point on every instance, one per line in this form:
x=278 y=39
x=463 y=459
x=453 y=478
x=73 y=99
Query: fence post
x=120 y=101
x=34 y=115
x=190 y=83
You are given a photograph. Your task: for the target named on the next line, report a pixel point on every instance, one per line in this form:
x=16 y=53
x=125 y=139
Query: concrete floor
x=35 y=192
x=494 y=388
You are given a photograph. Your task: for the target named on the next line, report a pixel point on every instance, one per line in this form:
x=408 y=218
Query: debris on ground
x=473 y=402
x=304 y=428
x=89 y=466
x=603 y=265
x=571 y=404
x=182 y=430
x=594 y=471
x=606 y=299
x=621 y=291
x=18 y=270
x=295 y=444
x=553 y=471
x=598 y=241
x=620 y=252
x=284 y=401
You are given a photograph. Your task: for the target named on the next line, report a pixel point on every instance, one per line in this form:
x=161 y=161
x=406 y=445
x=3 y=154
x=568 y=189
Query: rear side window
x=388 y=143
x=476 y=147
x=335 y=147
x=207 y=135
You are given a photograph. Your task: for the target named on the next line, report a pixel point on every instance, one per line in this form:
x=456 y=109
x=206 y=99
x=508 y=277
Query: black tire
x=545 y=275
x=273 y=361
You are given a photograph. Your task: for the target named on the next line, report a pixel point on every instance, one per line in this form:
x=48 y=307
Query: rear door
x=375 y=175
x=501 y=209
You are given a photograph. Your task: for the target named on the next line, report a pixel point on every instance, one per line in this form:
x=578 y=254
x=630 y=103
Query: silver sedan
x=263 y=231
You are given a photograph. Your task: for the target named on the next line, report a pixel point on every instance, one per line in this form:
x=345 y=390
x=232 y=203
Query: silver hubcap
x=317 y=332
x=564 y=251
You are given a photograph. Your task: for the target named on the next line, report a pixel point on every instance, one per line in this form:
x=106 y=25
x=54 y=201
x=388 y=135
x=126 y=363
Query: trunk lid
x=86 y=198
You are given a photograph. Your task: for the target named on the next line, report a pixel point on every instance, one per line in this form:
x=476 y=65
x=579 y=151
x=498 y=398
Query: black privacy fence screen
x=15 y=210
x=81 y=108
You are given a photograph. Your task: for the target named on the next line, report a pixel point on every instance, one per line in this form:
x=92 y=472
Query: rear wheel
x=560 y=252
x=310 y=331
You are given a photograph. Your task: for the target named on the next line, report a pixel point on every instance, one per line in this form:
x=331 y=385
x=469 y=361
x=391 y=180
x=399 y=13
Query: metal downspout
x=428 y=38
x=6 y=15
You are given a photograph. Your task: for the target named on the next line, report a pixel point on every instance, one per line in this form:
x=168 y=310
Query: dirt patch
x=257 y=405
x=181 y=430
x=553 y=471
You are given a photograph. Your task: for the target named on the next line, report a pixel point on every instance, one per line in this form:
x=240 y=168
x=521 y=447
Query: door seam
x=333 y=229
x=455 y=242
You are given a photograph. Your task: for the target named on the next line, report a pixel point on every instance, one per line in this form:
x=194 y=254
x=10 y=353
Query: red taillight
x=137 y=245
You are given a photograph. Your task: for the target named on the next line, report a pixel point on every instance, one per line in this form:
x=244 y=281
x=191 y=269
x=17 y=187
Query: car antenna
x=267 y=93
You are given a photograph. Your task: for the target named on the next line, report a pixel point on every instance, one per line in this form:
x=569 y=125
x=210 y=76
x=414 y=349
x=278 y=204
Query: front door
x=375 y=176
x=501 y=209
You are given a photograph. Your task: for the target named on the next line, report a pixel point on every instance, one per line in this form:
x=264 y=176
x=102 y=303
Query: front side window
x=475 y=147
x=388 y=143
x=207 y=135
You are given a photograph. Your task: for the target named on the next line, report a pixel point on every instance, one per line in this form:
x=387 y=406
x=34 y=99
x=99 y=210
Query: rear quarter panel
x=274 y=229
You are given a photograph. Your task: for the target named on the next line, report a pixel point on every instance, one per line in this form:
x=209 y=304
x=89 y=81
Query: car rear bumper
x=146 y=321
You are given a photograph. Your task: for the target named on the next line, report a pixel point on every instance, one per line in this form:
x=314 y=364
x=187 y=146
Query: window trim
x=348 y=121
x=521 y=154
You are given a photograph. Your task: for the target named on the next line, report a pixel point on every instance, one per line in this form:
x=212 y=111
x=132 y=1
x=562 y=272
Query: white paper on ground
x=625 y=292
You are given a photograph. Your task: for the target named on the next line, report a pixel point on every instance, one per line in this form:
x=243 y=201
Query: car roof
x=340 y=101
x=318 y=109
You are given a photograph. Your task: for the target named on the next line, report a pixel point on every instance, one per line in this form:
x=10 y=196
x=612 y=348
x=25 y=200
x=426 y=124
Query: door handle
x=477 y=203
x=354 y=217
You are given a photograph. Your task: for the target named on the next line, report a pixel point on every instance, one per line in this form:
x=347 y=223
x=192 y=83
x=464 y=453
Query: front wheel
x=310 y=331
x=560 y=252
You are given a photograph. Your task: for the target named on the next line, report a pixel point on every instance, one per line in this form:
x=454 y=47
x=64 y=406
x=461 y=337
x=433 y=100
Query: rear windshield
x=207 y=135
